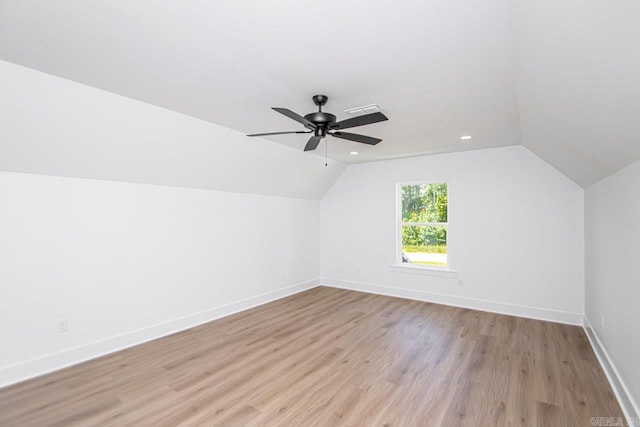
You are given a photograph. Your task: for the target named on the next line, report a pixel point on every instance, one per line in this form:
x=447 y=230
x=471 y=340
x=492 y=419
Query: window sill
x=429 y=271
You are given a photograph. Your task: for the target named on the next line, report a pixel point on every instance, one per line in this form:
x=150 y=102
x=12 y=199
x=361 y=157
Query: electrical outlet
x=284 y=276
x=357 y=270
x=460 y=283
x=602 y=321
x=63 y=325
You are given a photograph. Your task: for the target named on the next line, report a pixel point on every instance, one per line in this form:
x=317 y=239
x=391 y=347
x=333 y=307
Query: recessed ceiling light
x=465 y=137
x=353 y=153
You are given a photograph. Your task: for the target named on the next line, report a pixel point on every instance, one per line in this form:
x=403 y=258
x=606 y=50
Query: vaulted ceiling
x=560 y=77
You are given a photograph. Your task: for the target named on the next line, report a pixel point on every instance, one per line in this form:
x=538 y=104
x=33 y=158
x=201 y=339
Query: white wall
x=516 y=233
x=128 y=262
x=612 y=238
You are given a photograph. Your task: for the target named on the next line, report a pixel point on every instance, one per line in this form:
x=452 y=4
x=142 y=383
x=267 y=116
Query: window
x=423 y=223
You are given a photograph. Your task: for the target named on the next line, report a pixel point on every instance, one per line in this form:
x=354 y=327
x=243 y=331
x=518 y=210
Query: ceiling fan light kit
x=321 y=124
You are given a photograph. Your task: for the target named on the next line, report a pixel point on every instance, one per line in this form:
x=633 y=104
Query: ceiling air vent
x=366 y=109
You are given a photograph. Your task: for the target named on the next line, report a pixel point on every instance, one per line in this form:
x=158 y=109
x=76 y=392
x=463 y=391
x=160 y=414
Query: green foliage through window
x=424 y=223
x=416 y=235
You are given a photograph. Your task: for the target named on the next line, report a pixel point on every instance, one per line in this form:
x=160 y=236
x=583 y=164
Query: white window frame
x=399 y=265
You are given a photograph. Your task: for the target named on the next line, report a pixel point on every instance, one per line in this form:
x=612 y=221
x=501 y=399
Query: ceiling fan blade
x=367 y=119
x=313 y=143
x=357 y=138
x=279 y=133
x=295 y=116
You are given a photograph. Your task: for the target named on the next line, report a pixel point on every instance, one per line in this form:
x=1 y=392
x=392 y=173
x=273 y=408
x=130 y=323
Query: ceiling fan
x=322 y=124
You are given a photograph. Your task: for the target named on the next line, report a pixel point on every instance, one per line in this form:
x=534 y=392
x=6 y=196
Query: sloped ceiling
x=560 y=78
x=53 y=126
x=578 y=83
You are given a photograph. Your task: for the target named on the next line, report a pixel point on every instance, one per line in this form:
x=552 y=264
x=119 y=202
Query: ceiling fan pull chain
x=326 y=150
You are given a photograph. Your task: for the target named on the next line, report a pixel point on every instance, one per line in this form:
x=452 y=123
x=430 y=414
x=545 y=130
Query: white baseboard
x=54 y=361
x=456 y=301
x=627 y=403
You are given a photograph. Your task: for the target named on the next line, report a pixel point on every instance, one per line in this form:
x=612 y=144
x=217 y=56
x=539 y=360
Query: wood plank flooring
x=330 y=357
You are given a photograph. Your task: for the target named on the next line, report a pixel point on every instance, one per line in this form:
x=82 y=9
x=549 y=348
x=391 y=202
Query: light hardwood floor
x=330 y=357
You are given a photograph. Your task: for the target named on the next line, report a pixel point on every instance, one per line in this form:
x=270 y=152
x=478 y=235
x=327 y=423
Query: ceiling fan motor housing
x=321 y=119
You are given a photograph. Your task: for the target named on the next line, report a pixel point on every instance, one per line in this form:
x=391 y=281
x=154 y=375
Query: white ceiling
x=560 y=77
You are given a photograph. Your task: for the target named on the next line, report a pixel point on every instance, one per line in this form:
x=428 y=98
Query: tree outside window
x=424 y=224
